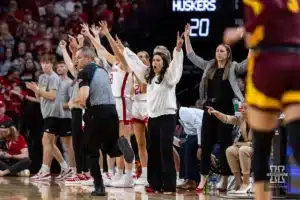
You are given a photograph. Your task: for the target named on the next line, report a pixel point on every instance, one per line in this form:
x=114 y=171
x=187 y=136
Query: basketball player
x=46 y=90
x=95 y=93
x=273 y=32
x=121 y=83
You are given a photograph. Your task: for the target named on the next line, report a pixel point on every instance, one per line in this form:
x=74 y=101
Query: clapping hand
x=32 y=86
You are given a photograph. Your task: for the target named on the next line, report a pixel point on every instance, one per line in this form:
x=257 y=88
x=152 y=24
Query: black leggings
x=214 y=131
x=161 y=167
x=15 y=166
x=79 y=141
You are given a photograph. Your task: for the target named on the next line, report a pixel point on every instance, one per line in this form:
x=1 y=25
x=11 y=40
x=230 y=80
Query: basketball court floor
x=20 y=188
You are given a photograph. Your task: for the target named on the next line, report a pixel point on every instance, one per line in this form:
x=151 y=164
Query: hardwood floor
x=20 y=188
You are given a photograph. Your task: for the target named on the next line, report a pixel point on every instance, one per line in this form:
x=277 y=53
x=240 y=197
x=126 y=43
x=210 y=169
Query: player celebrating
x=273 y=77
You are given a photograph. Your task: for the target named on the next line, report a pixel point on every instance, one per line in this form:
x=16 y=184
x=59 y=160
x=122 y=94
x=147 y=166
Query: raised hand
x=95 y=30
x=187 y=30
x=104 y=28
x=180 y=41
x=80 y=39
x=233 y=35
x=62 y=44
x=85 y=30
x=120 y=44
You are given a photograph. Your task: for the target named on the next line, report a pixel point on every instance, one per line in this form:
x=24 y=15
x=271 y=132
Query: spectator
x=15 y=159
x=26 y=28
x=74 y=23
x=21 y=49
x=13 y=17
x=64 y=8
x=7 y=38
x=240 y=153
x=7 y=63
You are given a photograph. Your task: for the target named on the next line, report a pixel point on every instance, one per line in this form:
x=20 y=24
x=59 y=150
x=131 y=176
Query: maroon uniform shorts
x=273 y=80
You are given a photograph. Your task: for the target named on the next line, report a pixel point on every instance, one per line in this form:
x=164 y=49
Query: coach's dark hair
x=151 y=73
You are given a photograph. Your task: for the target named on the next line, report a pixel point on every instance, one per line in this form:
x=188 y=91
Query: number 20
x=293 y=6
x=202 y=25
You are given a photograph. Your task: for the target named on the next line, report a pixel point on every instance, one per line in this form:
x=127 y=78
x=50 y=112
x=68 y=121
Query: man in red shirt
x=14 y=158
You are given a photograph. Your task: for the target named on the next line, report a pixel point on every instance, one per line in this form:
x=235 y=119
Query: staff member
x=191 y=120
x=95 y=94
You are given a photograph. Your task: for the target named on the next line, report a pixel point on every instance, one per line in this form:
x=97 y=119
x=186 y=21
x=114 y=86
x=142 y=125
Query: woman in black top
x=218 y=87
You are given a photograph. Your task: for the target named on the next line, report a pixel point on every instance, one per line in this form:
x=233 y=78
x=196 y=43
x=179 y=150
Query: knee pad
x=262 y=141
x=126 y=149
x=293 y=132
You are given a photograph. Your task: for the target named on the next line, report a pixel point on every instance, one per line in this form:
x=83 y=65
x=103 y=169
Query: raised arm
x=136 y=65
x=101 y=51
x=67 y=58
x=241 y=68
x=174 y=72
x=196 y=60
x=114 y=46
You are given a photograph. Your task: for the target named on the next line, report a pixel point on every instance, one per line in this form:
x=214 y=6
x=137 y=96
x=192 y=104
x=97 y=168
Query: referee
x=103 y=132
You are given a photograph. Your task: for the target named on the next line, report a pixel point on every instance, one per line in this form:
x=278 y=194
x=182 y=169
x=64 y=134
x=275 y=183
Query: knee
x=47 y=141
x=27 y=161
x=230 y=151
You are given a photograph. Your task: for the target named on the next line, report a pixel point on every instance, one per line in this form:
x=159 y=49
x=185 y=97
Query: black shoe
x=99 y=190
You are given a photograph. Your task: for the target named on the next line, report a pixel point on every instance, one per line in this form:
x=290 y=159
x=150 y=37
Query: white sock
x=101 y=171
x=119 y=171
x=177 y=175
x=128 y=173
x=45 y=168
x=111 y=171
x=64 y=165
x=144 y=172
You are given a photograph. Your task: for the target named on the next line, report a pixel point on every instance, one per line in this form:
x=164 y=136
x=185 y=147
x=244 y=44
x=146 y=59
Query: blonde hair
x=12 y=134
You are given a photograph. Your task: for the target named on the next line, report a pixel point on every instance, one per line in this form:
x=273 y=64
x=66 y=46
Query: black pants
x=33 y=132
x=79 y=140
x=161 y=168
x=214 y=131
x=102 y=133
x=188 y=159
x=15 y=166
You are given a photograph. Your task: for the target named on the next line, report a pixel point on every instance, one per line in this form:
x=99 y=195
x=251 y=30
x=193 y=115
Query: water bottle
x=207 y=186
x=213 y=187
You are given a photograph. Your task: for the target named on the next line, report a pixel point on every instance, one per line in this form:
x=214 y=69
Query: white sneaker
x=141 y=181
x=24 y=173
x=244 y=189
x=180 y=182
x=64 y=173
x=125 y=182
x=88 y=182
x=116 y=177
x=41 y=176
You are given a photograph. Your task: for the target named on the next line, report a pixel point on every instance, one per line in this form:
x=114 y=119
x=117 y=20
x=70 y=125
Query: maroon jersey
x=273 y=22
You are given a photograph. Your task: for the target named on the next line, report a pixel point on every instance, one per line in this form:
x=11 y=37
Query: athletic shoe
x=116 y=177
x=141 y=181
x=24 y=173
x=75 y=179
x=125 y=182
x=41 y=176
x=64 y=173
x=88 y=180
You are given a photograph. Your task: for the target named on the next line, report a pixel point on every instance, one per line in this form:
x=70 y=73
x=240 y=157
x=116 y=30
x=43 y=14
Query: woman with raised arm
x=161 y=80
x=218 y=87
